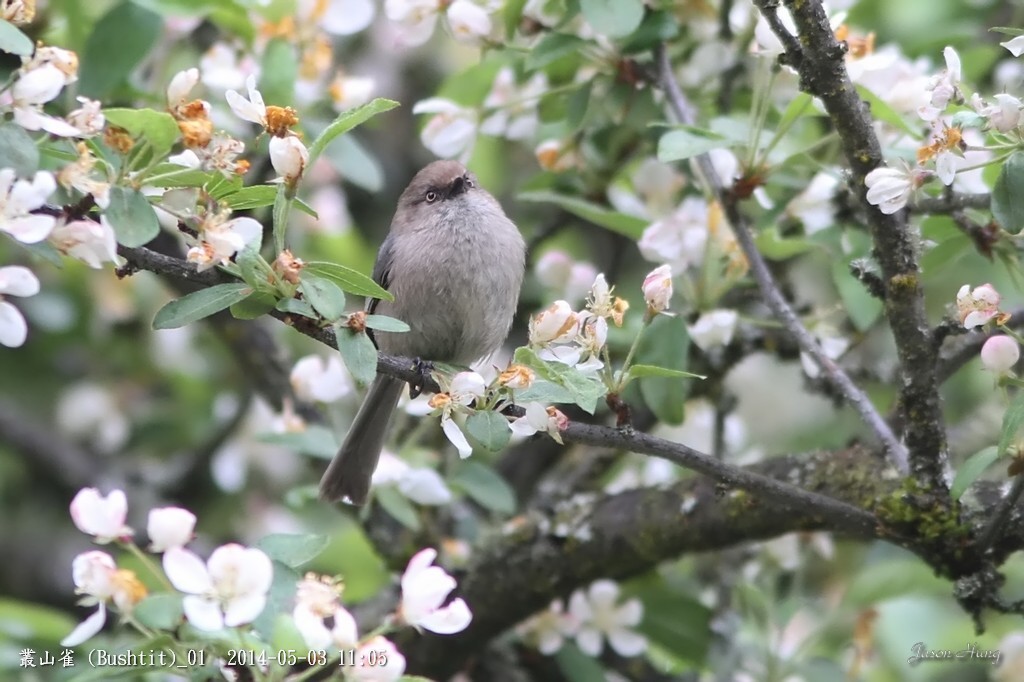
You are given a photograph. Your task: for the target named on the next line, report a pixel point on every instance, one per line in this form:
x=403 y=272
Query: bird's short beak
x=457 y=187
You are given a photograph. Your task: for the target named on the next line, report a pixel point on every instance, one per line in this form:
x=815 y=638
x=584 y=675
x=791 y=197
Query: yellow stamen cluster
x=118 y=139
x=948 y=140
x=858 y=46
x=280 y=119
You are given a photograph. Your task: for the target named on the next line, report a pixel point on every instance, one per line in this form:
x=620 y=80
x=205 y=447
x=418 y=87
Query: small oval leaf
x=358 y=352
x=348 y=279
x=489 y=429
x=131 y=216
x=200 y=304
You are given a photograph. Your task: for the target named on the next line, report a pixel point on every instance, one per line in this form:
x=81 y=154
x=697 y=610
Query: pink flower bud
x=1000 y=354
x=658 y=289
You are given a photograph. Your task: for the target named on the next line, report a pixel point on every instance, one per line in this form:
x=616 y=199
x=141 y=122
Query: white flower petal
x=626 y=642
x=16 y=280
x=203 y=613
x=186 y=571
x=454 y=617
x=454 y=434
x=244 y=609
x=87 y=628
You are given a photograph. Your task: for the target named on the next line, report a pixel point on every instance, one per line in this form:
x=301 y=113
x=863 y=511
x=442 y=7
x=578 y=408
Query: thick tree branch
x=769 y=289
x=623 y=535
x=819 y=60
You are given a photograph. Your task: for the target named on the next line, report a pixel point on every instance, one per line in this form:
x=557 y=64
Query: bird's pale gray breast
x=459 y=286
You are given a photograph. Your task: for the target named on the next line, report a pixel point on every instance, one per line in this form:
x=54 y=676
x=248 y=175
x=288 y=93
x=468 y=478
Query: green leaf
x=158 y=128
x=685 y=143
x=17 y=150
x=774 y=246
x=397 y=506
x=626 y=225
x=485 y=486
x=672 y=618
x=798 y=106
x=297 y=307
x=256 y=196
x=1008 y=194
x=12 y=40
x=160 y=611
x=386 y=324
x=324 y=295
x=614 y=18
x=173 y=175
x=579 y=105
x=118 y=44
x=278 y=73
x=348 y=279
x=1012 y=420
x=346 y=122
x=577 y=666
x=200 y=304
x=254 y=306
x=512 y=15
x=489 y=428
x=33 y=621
x=584 y=391
x=973 y=467
x=219 y=187
x=897 y=578
x=863 y=308
x=641 y=371
x=131 y=216
x=885 y=113
x=316 y=441
x=293 y=550
x=552 y=47
x=665 y=343
x=356 y=163
x=657 y=27
x=543 y=391
x=358 y=352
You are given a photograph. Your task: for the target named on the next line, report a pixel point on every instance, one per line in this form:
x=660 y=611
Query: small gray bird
x=454 y=263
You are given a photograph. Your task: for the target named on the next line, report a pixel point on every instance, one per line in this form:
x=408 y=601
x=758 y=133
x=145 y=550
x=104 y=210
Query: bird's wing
x=381 y=271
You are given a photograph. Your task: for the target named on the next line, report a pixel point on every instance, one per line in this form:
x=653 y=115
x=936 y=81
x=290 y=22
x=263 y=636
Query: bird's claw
x=423 y=369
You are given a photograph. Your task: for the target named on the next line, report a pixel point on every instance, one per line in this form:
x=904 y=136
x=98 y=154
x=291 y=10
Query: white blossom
x=228 y=590
x=814 y=206
x=451 y=132
x=680 y=238
x=101 y=516
x=169 y=527
x=890 y=188
x=221 y=239
x=977 y=306
x=91 y=242
x=713 y=328
x=468 y=21
x=549 y=629
x=602 y=617
x=424 y=589
x=15 y=280
x=18 y=200
x=315 y=380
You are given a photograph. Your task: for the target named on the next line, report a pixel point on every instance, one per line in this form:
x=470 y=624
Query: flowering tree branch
x=818 y=58
x=769 y=289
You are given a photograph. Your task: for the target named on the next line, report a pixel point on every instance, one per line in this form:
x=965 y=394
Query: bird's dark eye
x=469 y=182
x=430 y=196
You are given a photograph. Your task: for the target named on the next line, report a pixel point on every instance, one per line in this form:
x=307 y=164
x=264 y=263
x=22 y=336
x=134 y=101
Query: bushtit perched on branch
x=454 y=263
